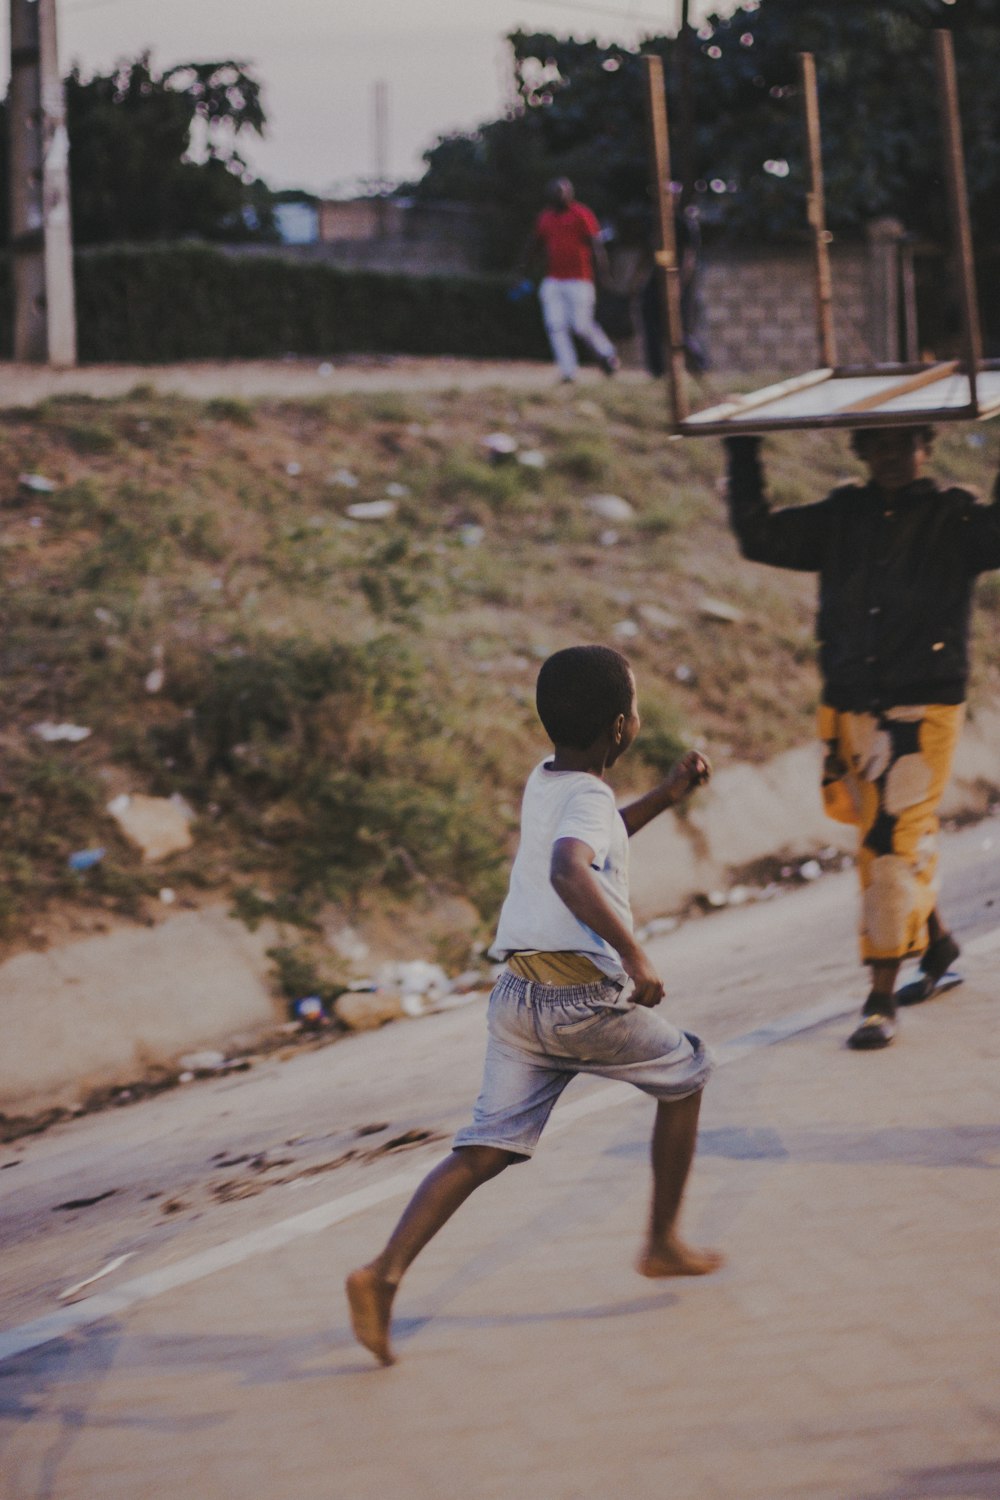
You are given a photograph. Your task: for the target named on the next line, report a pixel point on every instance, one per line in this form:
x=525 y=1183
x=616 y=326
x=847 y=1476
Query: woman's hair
x=580 y=692
x=860 y=436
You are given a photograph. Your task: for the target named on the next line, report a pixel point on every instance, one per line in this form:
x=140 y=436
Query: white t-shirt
x=564 y=805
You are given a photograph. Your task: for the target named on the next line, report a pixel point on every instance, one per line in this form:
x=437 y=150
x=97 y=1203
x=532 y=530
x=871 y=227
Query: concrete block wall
x=759 y=309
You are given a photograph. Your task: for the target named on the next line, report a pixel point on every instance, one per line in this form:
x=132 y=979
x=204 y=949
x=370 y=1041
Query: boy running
x=578 y=992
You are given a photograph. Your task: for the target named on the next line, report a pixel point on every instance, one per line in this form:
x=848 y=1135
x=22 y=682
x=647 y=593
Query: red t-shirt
x=566 y=234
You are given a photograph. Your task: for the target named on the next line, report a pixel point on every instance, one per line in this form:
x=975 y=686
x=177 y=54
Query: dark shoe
x=610 y=364
x=939 y=957
x=927 y=986
x=876 y=1030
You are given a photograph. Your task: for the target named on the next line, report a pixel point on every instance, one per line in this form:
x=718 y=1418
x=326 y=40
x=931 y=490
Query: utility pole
x=41 y=239
x=685 y=105
x=381 y=133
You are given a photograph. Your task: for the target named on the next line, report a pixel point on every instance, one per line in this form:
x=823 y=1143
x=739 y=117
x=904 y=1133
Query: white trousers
x=567 y=309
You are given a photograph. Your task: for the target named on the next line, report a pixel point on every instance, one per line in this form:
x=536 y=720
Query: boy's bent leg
x=371 y=1288
x=674 y=1136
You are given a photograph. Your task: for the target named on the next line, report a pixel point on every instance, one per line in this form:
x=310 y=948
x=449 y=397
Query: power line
x=75 y=6
x=603 y=10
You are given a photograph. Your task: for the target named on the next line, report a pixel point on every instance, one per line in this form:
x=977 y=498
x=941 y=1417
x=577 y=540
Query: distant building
x=383 y=233
x=297 y=216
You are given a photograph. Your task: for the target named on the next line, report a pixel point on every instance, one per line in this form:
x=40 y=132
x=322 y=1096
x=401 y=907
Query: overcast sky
x=443 y=61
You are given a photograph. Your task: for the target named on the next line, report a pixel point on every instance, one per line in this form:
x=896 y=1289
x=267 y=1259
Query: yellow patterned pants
x=886 y=774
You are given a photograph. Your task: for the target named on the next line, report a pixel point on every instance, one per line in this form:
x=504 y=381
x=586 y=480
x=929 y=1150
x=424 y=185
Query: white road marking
x=65 y=1320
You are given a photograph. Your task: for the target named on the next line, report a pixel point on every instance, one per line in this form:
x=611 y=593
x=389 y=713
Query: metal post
x=685 y=105
x=666 y=247
x=816 y=208
x=41 y=236
x=381 y=124
x=958 y=206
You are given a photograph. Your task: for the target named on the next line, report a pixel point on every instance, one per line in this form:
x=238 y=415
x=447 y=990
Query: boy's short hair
x=580 y=692
x=860 y=435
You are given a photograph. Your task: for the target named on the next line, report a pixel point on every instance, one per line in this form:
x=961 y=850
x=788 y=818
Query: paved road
x=848 y=1350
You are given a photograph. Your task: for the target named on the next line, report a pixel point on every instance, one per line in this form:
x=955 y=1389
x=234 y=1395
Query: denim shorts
x=541 y=1036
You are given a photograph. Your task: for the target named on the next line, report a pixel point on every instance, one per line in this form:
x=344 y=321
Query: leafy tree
x=581 y=113
x=135 y=136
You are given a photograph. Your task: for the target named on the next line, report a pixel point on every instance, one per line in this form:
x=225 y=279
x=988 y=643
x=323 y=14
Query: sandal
x=936 y=973
x=875 y=1031
x=926 y=987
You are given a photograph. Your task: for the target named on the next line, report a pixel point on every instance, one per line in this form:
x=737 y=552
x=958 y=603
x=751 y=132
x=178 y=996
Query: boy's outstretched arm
x=574 y=883
x=693 y=769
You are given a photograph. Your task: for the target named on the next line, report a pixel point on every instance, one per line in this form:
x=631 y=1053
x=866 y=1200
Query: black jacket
x=895 y=578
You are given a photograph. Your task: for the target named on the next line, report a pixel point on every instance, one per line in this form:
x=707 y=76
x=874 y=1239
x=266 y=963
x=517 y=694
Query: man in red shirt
x=569 y=235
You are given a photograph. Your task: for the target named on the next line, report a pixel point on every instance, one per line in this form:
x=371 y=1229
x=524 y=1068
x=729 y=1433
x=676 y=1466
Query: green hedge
x=152 y=304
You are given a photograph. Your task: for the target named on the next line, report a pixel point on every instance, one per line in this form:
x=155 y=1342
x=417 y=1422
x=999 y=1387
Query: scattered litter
x=590 y=409
x=608 y=538
x=683 y=673
x=325 y=368
x=625 y=630
x=85 y=859
x=112 y=1265
x=75 y=1203
x=471 y=535
x=659 y=619
x=347 y=943
x=345 y=478
x=168 y=896
x=975 y=440
x=716 y=898
x=500 y=446
x=216 y=584
x=53 y=733
x=104 y=615
x=366 y=1010
x=310 y=1011
x=404 y=1142
x=414 y=429
x=811 y=870
x=415 y=977
x=185 y=1078
x=37 y=484
x=155 y=680
x=396 y=490
x=36 y=521
x=372 y=510
x=202 y=1062
x=226 y=1192
x=659 y=927
x=718 y=609
x=739 y=895
x=468 y=980
x=293 y=470
x=158 y=825
x=609 y=507
x=532 y=458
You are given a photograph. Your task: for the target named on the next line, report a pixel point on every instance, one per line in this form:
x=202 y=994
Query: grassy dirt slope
x=347 y=705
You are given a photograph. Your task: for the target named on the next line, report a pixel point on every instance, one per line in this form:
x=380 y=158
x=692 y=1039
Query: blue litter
x=86 y=859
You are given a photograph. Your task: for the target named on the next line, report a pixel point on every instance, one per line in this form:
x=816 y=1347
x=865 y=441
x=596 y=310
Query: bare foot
x=370 y=1300
x=674 y=1258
